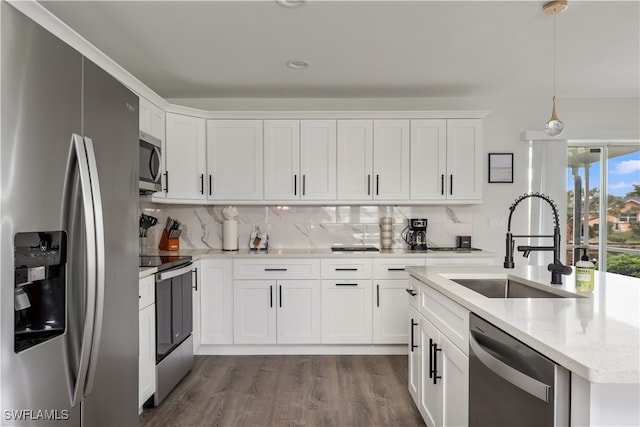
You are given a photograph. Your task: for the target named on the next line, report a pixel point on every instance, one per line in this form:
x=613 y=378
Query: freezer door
x=40 y=109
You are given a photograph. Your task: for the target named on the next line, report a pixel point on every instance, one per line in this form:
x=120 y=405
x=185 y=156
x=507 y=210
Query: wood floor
x=301 y=390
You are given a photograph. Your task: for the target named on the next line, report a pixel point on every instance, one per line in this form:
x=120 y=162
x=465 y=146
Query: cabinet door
x=415 y=352
x=346 y=312
x=453 y=367
x=298 y=312
x=391 y=159
x=355 y=159
x=146 y=354
x=390 y=312
x=216 y=289
x=464 y=159
x=430 y=397
x=185 y=157
x=318 y=159
x=234 y=160
x=254 y=312
x=428 y=159
x=144 y=108
x=281 y=160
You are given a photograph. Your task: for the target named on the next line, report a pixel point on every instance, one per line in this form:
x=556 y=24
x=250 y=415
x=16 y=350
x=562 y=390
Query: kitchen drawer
x=352 y=268
x=393 y=268
x=448 y=316
x=276 y=268
x=146 y=291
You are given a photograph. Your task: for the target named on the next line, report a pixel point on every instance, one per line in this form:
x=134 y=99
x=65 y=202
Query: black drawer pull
x=346 y=269
x=346 y=284
x=275 y=269
x=395 y=269
x=411 y=292
x=413 y=323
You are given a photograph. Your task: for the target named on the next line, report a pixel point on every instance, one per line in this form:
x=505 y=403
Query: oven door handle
x=524 y=382
x=169 y=274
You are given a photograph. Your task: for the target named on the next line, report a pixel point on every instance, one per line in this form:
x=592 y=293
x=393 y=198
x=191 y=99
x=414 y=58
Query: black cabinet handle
x=271 y=301
x=451 y=184
x=195 y=286
x=377 y=295
x=210 y=185
x=369 y=185
x=436 y=377
x=411 y=292
x=377 y=185
x=275 y=269
x=431 y=344
x=304 y=184
x=346 y=269
x=413 y=323
x=280 y=296
x=346 y=284
x=166 y=182
x=295 y=185
x=395 y=269
x=442 y=185
x=201 y=183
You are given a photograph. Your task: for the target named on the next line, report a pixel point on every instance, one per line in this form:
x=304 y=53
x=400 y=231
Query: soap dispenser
x=585 y=270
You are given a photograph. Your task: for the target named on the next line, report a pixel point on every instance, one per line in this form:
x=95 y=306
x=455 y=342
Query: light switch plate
x=496 y=222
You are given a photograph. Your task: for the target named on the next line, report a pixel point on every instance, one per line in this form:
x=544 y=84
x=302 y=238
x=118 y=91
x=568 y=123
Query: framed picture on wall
x=500 y=167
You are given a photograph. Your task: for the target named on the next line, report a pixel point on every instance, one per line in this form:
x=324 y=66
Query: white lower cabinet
x=346 y=312
x=389 y=312
x=216 y=301
x=146 y=340
x=442 y=368
x=276 y=311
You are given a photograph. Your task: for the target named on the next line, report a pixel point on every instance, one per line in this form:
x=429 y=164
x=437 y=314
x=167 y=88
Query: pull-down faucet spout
x=556 y=268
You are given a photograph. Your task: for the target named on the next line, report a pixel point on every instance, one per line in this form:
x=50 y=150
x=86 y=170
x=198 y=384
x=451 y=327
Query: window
x=604 y=224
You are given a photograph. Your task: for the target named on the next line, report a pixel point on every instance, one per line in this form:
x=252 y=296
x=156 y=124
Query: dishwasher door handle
x=531 y=385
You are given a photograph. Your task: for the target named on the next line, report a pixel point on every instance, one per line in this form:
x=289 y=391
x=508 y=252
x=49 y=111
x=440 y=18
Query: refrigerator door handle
x=99 y=266
x=77 y=392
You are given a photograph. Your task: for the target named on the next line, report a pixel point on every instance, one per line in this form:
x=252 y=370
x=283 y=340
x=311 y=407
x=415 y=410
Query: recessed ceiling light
x=291 y=3
x=298 y=64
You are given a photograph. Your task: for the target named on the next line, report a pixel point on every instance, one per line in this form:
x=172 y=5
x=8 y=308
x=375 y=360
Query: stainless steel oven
x=510 y=384
x=174 y=321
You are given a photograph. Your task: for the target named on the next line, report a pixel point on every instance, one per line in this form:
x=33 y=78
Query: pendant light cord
x=555 y=17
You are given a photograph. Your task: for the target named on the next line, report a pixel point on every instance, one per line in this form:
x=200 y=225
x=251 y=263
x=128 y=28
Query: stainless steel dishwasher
x=510 y=384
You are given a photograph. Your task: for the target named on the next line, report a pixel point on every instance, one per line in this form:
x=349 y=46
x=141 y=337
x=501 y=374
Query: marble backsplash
x=307 y=227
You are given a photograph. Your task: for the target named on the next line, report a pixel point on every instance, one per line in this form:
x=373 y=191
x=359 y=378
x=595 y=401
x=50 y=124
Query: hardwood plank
x=300 y=390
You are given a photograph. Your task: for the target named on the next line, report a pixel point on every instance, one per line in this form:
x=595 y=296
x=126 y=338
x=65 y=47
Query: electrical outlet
x=496 y=222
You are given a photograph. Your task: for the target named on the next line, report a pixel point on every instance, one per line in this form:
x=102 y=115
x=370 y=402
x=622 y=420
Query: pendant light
x=554 y=126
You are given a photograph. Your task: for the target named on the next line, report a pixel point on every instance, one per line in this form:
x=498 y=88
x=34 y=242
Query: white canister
x=230 y=235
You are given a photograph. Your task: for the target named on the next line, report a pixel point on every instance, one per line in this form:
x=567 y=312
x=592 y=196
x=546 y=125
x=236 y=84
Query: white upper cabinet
x=318 y=159
x=234 y=160
x=151 y=119
x=281 y=159
x=446 y=159
x=464 y=159
x=299 y=159
x=355 y=159
x=373 y=160
x=185 y=158
x=391 y=159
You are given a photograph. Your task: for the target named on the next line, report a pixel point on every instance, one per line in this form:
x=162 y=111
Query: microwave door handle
x=99 y=265
x=78 y=148
x=155 y=175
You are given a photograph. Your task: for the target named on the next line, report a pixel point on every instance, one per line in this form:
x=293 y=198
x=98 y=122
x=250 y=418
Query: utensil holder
x=167 y=244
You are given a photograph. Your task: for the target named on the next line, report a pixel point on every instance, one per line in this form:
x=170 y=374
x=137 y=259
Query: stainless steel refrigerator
x=68 y=246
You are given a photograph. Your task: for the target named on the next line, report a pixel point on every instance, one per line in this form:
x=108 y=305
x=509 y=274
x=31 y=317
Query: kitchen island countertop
x=595 y=335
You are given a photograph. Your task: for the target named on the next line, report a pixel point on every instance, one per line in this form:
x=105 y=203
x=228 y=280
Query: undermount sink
x=508 y=288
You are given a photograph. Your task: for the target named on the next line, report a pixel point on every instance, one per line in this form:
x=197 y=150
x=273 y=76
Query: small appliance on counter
x=415 y=234
x=463 y=242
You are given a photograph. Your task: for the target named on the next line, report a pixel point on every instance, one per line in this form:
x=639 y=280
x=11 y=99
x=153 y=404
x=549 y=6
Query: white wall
x=502 y=133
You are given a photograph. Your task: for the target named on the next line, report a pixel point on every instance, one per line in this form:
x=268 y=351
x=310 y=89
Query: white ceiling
x=238 y=48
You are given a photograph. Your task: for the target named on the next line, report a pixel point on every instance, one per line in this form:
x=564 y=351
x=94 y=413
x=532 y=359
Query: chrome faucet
x=556 y=268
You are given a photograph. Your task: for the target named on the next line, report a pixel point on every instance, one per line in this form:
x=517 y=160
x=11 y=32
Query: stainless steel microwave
x=150 y=161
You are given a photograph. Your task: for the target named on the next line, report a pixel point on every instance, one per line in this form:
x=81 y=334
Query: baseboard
x=280 y=349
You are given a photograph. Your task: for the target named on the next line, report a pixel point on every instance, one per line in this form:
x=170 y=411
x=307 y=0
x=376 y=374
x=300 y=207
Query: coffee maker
x=415 y=234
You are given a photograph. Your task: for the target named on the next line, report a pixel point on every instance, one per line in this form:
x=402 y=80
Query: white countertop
x=596 y=337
